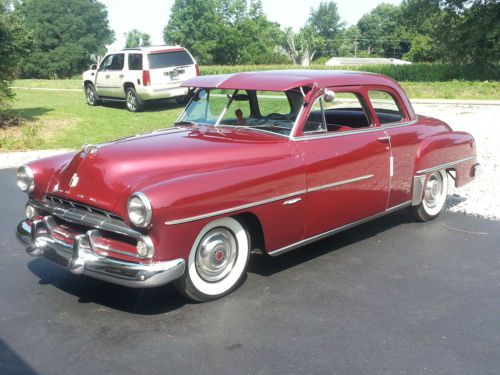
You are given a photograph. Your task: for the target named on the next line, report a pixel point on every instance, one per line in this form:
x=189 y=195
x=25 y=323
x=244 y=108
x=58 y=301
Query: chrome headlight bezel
x=25 y=179
x=139 y=210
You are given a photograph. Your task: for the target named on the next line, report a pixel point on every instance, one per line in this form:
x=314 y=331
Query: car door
x=346 y=158
x=109 y=81
x=392 y=116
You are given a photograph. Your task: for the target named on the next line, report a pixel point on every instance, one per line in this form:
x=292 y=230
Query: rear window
x=169 y=59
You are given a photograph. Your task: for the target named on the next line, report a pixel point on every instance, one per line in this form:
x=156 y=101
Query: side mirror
x=329 y=96
x=93 y=67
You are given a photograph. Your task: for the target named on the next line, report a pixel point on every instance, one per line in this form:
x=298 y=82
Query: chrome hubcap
x=433 y=190
x=90 y=95
x=131 y=101
x=216 y=254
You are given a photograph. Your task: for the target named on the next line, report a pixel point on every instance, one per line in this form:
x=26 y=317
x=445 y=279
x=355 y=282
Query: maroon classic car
x=268 y=160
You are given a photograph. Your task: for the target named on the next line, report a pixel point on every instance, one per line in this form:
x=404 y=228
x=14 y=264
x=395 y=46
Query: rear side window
x=169 y=59
x=135 y=61
x=385 y=107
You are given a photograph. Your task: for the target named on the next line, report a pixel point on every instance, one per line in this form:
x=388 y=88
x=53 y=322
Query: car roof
x=283 y=80
x=154 y=49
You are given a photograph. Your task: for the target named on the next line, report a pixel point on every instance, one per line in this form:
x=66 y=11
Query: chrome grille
x=66 y=203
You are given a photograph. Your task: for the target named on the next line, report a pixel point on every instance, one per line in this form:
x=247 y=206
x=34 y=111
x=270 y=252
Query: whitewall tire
x=217 y=262
x=434 y=197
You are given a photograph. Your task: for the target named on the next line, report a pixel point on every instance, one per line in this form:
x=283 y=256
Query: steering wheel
x=276 y=115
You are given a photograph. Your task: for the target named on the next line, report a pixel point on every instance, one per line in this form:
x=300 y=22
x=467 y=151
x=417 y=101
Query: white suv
x=135 y=75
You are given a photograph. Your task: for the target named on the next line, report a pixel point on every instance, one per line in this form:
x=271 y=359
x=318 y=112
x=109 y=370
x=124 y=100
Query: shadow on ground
x=154 y=106
x=11 y=363
x=166 y=298
x=16 y=117
x=266 y=265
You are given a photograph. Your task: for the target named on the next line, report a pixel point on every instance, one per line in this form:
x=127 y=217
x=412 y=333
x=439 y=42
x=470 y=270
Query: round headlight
x=139 y=210
x=25 y=180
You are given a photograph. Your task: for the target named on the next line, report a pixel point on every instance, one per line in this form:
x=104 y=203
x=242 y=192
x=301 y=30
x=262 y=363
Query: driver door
x=110 y=76
x=347 y=163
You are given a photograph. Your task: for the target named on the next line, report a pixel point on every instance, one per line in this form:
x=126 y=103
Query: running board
x=320 y=236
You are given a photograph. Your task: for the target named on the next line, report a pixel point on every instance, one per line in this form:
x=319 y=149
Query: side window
x=135 y=61
x=118 y=62
x=385 y=107
x=346 y=112
x=106 y=63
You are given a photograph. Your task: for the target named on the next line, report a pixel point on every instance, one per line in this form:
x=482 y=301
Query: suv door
x=110 y=76
x=346 y=158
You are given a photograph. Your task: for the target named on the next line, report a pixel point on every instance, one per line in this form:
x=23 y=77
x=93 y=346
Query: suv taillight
x=197 y=70
x=146 y=79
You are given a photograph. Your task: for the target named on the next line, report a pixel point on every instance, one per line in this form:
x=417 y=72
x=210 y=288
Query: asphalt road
x=388 y=297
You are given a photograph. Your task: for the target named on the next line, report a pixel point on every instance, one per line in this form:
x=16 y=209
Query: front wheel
x=91 y=95
x=217 y=262
x=134 y=103
x=436 y=190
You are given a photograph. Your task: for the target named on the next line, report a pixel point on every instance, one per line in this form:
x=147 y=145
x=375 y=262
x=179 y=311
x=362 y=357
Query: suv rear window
x=169 y=59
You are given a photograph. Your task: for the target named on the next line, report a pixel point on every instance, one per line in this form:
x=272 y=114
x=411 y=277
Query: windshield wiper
x=184 y=123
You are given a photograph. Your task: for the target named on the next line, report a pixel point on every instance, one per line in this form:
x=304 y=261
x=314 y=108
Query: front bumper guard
x=80 y=259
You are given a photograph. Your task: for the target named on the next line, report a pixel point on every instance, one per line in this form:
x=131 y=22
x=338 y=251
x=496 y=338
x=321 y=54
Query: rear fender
x=454 y=151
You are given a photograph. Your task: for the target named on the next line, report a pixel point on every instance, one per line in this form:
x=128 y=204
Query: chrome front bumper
x=79 y=258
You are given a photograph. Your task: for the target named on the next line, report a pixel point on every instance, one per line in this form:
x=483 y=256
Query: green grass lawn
x=57 y=119
x=62 y=119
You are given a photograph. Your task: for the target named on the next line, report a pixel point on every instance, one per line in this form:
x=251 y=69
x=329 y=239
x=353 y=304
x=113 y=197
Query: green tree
x=195 y=25
x=67 y=34
x=224 y=31
x=136 y=38
x=15 y=41
x=419 y=18
x=382 y=31
x=326 y=26
x=469 y=31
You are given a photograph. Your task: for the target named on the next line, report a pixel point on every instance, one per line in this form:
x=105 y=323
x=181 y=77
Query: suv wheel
x=134 y=103
x=91 y=95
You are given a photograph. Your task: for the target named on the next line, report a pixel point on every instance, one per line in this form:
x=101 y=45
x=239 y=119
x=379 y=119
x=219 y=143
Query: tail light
x=197 y=70
x=146 y=78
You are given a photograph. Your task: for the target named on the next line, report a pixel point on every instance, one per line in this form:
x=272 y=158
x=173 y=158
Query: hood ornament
x=74 y=180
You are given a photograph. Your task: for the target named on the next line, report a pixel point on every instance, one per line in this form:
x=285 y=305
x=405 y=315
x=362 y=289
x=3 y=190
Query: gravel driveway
x=478 y=198
x=481 y=197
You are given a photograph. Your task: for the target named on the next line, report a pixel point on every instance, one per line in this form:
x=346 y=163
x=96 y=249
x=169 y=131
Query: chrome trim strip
x=418 y=190
x=233 y=209
x=327 y=186
x=446 y=165
x=320 y=236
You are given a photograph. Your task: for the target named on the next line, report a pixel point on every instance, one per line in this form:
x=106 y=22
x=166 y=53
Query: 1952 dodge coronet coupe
x=267 y=160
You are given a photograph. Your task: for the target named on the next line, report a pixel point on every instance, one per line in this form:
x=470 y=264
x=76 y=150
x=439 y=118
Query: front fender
x=183 y=205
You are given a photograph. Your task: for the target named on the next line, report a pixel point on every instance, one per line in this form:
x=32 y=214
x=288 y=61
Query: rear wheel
x=436 y=190
x=91 y=95
x=217 y=262
x=134 y=103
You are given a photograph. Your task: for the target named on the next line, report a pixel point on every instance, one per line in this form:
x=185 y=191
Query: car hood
x=111 y=172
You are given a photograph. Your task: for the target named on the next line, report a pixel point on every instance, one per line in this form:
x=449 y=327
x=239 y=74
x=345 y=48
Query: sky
x=151 y=16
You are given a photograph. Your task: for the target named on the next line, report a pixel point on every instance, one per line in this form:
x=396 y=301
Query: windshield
x=269 y=111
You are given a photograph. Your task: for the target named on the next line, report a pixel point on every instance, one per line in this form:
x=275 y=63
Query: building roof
x=283 y=80
x=353 y=61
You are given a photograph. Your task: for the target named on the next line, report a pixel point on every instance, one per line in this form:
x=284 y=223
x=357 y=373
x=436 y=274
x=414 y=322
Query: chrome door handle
x=384 y=139
x=121 y=76
x=107 y=77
